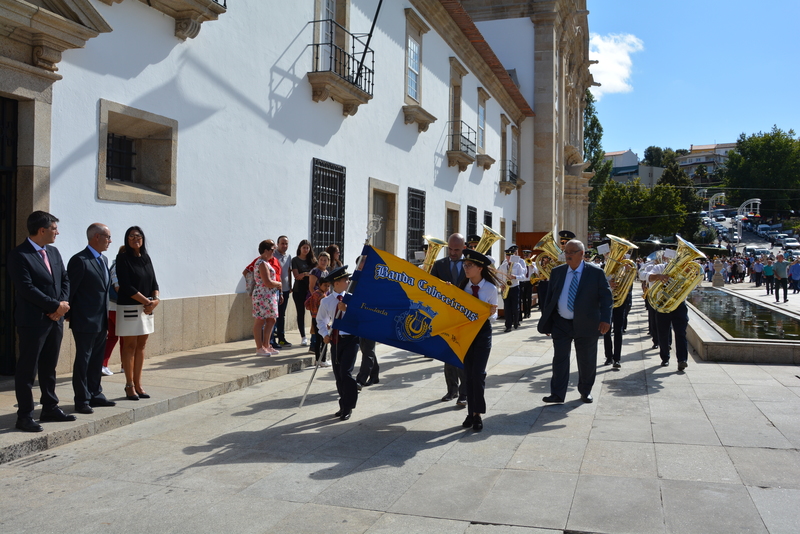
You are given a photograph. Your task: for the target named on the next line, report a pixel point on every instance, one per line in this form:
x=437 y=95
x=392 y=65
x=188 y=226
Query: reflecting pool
x=742 y=318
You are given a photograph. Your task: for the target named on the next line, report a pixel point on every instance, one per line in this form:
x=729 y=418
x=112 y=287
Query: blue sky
x=694 y=71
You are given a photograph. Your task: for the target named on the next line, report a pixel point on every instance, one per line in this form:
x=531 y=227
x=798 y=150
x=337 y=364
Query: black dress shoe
x=655 y=346
x=461 y=403
x=477 y=423
x=617 y=364
x=84 y=409
x=338 y=414
x=56 y=415
x=28 y=425
x=682 y=366
x=99 y=403
x=588 y=399
x=448 y=398
x=508 y=329
x=346 y=415
x=468 y=421
x=664 y=363
x=553 y=399
x=608 y=361
x=359 y=386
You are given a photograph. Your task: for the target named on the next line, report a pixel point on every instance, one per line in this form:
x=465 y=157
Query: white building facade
x=214 y=127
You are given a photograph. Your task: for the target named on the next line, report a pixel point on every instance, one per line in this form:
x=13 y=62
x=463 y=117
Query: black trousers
x=456 y=380
x=652 y=322
x=369 y=362
x=280 y=324
x=511 y=307
x=345 y=352
x=585 y=353
x=757 y=278
x=677 y=319
x=90 y=349
x=612 y=340
x=475 y=369
x=527 y=295
x=38 y=351
x=299 y=297
x=770 y=281
x=781 y=284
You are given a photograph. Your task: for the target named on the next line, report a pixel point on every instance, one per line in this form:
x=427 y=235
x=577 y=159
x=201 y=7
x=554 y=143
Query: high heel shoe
x=142 y=394
x=130 y=393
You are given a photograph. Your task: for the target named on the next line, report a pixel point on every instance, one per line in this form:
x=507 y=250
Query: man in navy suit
x=41 y=292
x=577 y=309
x=89 y=280
x=451 y=269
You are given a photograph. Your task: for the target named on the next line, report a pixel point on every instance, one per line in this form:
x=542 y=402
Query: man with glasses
x=88 y=318
x=577 y=309
x=451 y=269
x=42 y=289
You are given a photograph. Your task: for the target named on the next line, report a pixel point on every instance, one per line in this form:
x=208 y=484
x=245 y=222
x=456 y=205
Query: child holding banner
x=482 y=283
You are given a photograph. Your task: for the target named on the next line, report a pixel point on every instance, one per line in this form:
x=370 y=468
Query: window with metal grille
x=416 y=222
x=487 y=218
x=472 y=220
x=327 y=205
x=119 y=158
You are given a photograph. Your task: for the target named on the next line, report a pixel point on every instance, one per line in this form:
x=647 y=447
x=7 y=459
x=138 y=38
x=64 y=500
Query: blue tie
x=573 y=290
x=103 y=267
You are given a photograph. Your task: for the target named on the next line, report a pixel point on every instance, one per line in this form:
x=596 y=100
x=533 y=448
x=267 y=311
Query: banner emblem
x=415 y=324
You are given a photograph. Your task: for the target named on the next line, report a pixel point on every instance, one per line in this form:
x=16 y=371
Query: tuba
x=434 y=247
x=550 y=249
x=620 y=270
x=684 y=276
x=488 y=239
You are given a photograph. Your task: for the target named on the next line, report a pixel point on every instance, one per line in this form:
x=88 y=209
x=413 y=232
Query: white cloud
x=613 y=71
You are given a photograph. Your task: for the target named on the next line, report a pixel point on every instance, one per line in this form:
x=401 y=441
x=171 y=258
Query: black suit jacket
x=593 y=302
x=441 y=270
x=88 y=295
x=37 y=292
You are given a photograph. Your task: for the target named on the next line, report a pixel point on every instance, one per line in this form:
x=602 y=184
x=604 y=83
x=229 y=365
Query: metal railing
x=509 y=171
x=343 y=53
x=223 y=3
x=462 y=137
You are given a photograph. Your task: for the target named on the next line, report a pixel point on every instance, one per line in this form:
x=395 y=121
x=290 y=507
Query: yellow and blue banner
x=397 y=303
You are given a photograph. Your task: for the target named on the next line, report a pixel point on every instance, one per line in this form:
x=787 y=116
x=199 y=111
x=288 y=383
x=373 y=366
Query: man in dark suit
x=450 y=269
x=41 y=292
x=88 y=317
x=577 y=308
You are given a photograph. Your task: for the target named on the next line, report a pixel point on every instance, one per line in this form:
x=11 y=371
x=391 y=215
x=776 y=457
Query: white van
x=762 y=229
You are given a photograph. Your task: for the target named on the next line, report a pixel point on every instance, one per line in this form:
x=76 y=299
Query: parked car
x=770 y=234
x=777 y=239
x=761 y=252
x=720 y=218
x=790 y=243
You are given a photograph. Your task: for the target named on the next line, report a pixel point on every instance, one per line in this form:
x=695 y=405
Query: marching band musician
x=344 y=347
x=481 y=283
x=678 y=319
x=472 y=241
x=652 y=326
x=613 y=343
x=526 y=286
x=514 y=272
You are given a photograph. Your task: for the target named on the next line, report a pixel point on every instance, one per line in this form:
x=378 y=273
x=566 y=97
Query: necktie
x=103 y=268
x=573 y=290
x=43 y=253
x=454 y=270
x=475 y=290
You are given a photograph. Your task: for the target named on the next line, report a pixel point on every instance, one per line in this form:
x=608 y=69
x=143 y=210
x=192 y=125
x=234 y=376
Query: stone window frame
x=156 y=161
x=389 y=224
x=483 y=97
x=448 y=208
x=413 y=111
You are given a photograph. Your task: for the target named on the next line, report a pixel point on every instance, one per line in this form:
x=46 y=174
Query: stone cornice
x=416 y=113
x=189 y=15
x=485 y=161
x=449 y=19
x=327 y=84
x=64 y=25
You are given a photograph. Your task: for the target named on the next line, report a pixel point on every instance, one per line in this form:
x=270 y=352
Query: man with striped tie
x=577 y=309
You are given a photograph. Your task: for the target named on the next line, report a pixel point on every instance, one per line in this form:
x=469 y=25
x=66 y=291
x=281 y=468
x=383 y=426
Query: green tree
x=765 y=166
x=653 y=156
x=701 y=174
x=674 y=176
x=632 y=211
x=593 y=153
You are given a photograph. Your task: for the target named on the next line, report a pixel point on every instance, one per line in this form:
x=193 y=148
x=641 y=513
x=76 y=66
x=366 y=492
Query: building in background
x=214 y=126
x=626 y=168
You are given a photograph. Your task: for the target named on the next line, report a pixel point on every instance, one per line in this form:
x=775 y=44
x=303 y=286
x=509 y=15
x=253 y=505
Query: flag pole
x=316 y=366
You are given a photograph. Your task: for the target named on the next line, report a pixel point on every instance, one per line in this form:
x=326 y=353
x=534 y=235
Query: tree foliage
x=653 y=156
x=674 y=176
x=593 y=153
x=633 y=211
x=765 y=166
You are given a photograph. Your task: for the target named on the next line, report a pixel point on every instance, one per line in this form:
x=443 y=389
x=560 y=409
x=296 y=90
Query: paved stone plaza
x=714 y=449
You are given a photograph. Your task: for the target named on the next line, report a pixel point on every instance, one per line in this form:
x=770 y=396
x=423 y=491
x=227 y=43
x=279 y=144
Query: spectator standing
x=285 y=261
x=265 y=299
x=794 y=272
x=302 y=264
x=758 y=270
x=781 y=272
x=111 y=339
x=769 y=276
x=334 y=252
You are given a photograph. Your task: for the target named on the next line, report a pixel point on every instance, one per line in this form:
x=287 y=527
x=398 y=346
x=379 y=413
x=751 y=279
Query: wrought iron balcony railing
x=344 y=54
x=462 y=138
x=509 y=171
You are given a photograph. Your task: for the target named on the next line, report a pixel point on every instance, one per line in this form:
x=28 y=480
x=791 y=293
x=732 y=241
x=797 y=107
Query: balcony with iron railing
x=461 y=151
x=508 y=176
x=343 y=68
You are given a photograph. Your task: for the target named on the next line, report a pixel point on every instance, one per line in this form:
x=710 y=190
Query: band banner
x=397 y=303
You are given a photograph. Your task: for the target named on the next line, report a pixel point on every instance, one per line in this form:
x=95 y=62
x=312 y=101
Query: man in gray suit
x=450 y=269
x=88 y=317
x=577 y=308
x=41 y=292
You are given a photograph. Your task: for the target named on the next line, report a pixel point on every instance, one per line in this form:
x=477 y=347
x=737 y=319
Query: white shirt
x=326 y=314
x=487 y=293
x=517 y=272
x=563 y=309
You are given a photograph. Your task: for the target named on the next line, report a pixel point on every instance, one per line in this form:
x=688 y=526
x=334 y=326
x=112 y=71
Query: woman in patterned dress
x=265 y=299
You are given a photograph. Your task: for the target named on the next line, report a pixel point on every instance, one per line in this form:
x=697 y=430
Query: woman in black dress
x=302 y=264
x=137 y=298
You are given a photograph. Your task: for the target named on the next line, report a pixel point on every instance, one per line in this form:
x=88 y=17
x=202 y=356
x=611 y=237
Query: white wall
x=248 y=130
x=515 y=52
